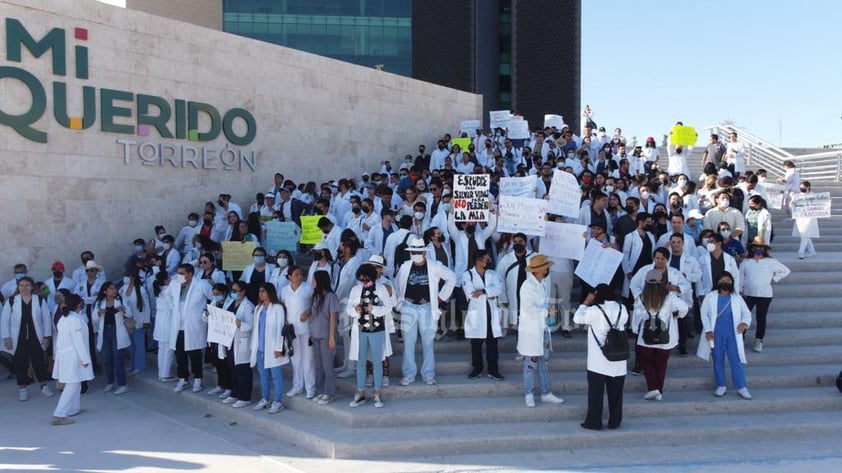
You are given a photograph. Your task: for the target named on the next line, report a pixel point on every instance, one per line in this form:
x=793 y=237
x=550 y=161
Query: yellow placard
x=236 y=255
x=310 y=231
x=462 y=142
x=683 y=135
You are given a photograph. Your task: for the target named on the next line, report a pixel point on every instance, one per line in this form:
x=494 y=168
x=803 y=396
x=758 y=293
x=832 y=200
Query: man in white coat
x=188 y=333
x=692 y=272
x=512 y=268
x=418 y=296
x=483 y=321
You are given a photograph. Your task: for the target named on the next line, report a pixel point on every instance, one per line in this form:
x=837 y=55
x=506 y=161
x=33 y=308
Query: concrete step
x=809 y=277
x=787 y=239
x=782 y=289
x=785 y=304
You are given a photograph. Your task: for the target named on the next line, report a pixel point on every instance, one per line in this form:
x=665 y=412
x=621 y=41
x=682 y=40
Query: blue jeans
x=138 y=348
x=417 y=319
x=277 y=380
x=112 y=357
x=540 y=366
x=372 y=343
x=725 y=342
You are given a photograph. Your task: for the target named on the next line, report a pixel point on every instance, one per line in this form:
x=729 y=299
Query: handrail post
x=838 y=166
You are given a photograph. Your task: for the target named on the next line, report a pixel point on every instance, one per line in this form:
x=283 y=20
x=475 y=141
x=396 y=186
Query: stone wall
x=316 y=118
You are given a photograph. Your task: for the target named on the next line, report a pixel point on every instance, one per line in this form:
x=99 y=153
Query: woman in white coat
x=136 y=298
x=725 y=318
x=656 y=303
x=483 y=322
x=110 y=313
x=72 y=359
x=322 y=261
x=256 y=274
x=239 y=356
x=161 y=332
x=26 y=328
x=533 y=337
x=267 y=347
x=806 y=228
x=297 y=296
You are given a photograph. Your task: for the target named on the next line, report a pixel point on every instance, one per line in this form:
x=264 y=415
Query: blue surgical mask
x=217 y=298
x=232 y=297
x=259 y=259
x=445 y=207
x=19 y=276
x=138 y=248
x=126 y=280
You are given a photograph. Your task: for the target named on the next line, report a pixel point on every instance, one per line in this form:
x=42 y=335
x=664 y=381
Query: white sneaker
x=758 y=345
x=720 y=391
x=46 y=391
x=346 y=373
x=229 y=400
x=240 y=404
x=407 y=381
x=108 y=388
x=179 y=386
x=294 y=392
x=551 y=398
x=377 y=401
x=23 y=394
x=431 y=382
x=385 y=381
x=225 y=394
x=275 y=407
x=325 y=399
x=744 y=393
x=120 y=390
x=261 y=404
x=318 y=397
x=652 y=395
x=168 y=380
x=369 y=380
x=359 y=400
x=310 y=395
x=197 y=385
x=530 y=400
x=215 y=391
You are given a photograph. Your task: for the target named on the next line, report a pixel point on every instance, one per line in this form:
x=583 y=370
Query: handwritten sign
x=236 y=255
x=518 y=129
x=683 y=135
x=556 y=121
x=281 y=236
x=518 y=186
x=470 y=197
x=565 y=195
x=499 y=119
x=811 y=205
x=462 y=142
x=522 y=214
x=775 y=194
x=310 y=231
x=598 y=264
x=222 y=326
x=564 y=240
x=470 y=127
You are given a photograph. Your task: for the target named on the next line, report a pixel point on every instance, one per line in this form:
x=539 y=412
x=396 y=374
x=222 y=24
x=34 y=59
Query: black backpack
x=401 y=255
x=655 y=331
x=616 y=346
x=839 y=382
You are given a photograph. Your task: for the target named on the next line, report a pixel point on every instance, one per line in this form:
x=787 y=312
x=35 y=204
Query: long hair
x=136 y=280
x=72 y=302
x=160 y=282
x=323 y=287
x=271 y=293
x=654 y=294
x=101 y=296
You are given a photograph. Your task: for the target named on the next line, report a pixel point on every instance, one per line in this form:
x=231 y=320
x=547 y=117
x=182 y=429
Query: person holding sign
x=805 y=228
x=218 y=353
x=239 y=355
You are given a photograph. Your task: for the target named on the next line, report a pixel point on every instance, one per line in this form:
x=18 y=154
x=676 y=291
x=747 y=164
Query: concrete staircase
x=792 y=381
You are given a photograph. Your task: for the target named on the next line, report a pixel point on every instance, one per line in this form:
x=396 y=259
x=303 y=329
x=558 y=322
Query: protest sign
x=556 y=121
x=518 y=186
x=470 y=127
x=775 y=194
x=222 y=325
x=564 y=240
x=462 y=142
x=565 y=195
x=499 y=119
x=811 y=205
x=310 y=232
x=470 y=197
x=522 y=214
x=683 y=135
x=236 y=255
x=598 y=264
x=281 y=236
x=518 y=129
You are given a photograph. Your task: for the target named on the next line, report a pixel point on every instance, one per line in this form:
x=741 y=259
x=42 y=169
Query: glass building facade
x=370 y=33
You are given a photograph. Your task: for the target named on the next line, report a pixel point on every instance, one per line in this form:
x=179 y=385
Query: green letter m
x=16 y=35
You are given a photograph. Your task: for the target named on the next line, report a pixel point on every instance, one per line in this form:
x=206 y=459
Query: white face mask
x=644 y=195
x=192 y=223
x=283 y=262
x=705 y=242
x=167 y=246
x=724 y=203
x=419 y=215
x=180 y=278
x=682 y=182
x=725 y=233
x=609 y=189
x=710 y=247
x=417 y=258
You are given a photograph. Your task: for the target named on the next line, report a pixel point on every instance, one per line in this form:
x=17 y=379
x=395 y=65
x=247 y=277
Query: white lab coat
x=508 y=270
x=195 y=330
x=431 y=253
x=436 y=272
x=389 y=249
x=532 y=325
x=384 y=310
x=65 y=283
x=710 y=312
x=375 y=241
x=10 y=319
x=163 y=317
x=632 y=246
x=460 y=259
x=705 y=284
x=275 y=319
x=671 y=304
x=130 y=299
x=71 y=350
x=598 y=326
x=242 y=337
x=267 y=273
x=477 y=316
x=123 y=338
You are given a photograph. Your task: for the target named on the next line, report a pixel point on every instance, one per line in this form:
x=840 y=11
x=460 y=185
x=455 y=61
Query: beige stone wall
x=207 y=13
x=317 y=119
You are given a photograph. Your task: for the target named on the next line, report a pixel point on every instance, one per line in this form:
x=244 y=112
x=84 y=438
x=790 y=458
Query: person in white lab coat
x=239 y=356
x=484 y=320
x=297 y=296
x=163 y=320
x=188 y=333
x=136 y=297
x=268 y=352
x=72 y=359
x=109 y=315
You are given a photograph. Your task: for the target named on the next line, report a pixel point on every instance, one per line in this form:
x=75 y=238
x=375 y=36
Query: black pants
x=7 y=362
x=490 y=347
x=223 y=371
x=684 y=326
x=182 y=356
x=241 y=379
x=92 y=345
x=598 y=384
x=30 y=351
x=762 y=304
